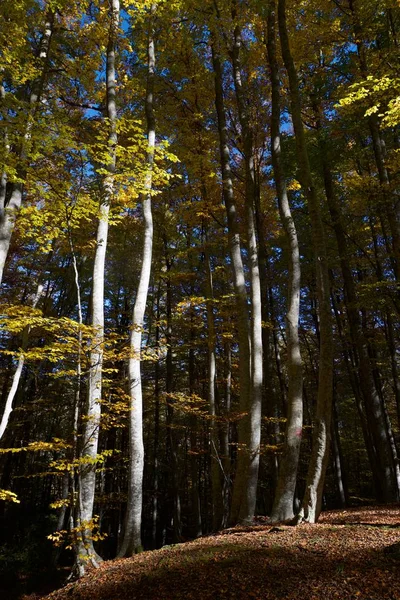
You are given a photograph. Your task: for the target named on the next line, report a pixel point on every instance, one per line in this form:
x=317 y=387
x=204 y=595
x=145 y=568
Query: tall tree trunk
x=286 y=485
x=132 y=541
x=226 y=437
x=155 y=516
x=217 y=467
x=73 y=475
x=173 y=504
x=196 y=524
x=311 y=505
x=87 y=477
x=240 y=507
x=251 y=429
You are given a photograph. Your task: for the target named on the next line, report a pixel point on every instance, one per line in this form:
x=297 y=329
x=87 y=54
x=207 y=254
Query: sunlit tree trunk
x=87 y=477
x=73 y=475
x=132 y=540
x=312 y=501
x=286 y=485
x=18 y=371
x=250 y=426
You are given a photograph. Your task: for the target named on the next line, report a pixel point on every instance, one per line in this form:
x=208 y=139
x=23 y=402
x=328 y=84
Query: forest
x=199 y=268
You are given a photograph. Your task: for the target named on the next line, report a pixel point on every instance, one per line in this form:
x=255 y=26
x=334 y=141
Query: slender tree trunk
x=311 y=505
x=132 y=541
x=73 y=475
x=240 y=508
x=219 y=432
x=226 y=437
x=156 y=424
x=250 y=427
x=217 y=467
x=18 y=371
x=286 y=485
x=196 y=524
x=341 y=483
x=87 y=477
x=194 y=462
x=173 y=503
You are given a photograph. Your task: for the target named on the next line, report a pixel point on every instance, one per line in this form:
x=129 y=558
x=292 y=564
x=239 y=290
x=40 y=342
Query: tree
x=286 y=485
x=311 y=506
x=131 y=542
x=87 y=475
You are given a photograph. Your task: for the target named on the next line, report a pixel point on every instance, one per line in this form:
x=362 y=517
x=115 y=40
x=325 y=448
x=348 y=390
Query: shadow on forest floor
x=334 y=559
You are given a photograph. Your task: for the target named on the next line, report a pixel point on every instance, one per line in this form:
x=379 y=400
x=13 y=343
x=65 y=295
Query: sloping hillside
x=347 y=555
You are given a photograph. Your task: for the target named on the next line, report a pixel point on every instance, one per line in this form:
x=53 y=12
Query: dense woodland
x=200 y=260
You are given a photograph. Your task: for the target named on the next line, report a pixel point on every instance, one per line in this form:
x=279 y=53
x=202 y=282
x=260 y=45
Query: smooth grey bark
x=90 y=438
x=286 y=485
x=18 y=371
x=239 y=506
x=132 y=540
x=245 y=487
x=9 y=210
x=311 y=505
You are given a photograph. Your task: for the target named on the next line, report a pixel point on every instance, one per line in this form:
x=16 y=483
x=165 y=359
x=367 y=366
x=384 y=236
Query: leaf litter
x=347 y=555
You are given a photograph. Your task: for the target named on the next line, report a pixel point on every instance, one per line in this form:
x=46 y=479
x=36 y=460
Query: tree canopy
x=199 y=265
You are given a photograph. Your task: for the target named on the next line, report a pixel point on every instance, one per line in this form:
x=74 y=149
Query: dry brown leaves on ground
x=343 y=557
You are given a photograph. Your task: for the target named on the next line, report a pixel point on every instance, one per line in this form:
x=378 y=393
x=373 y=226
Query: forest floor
x=346 y=556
